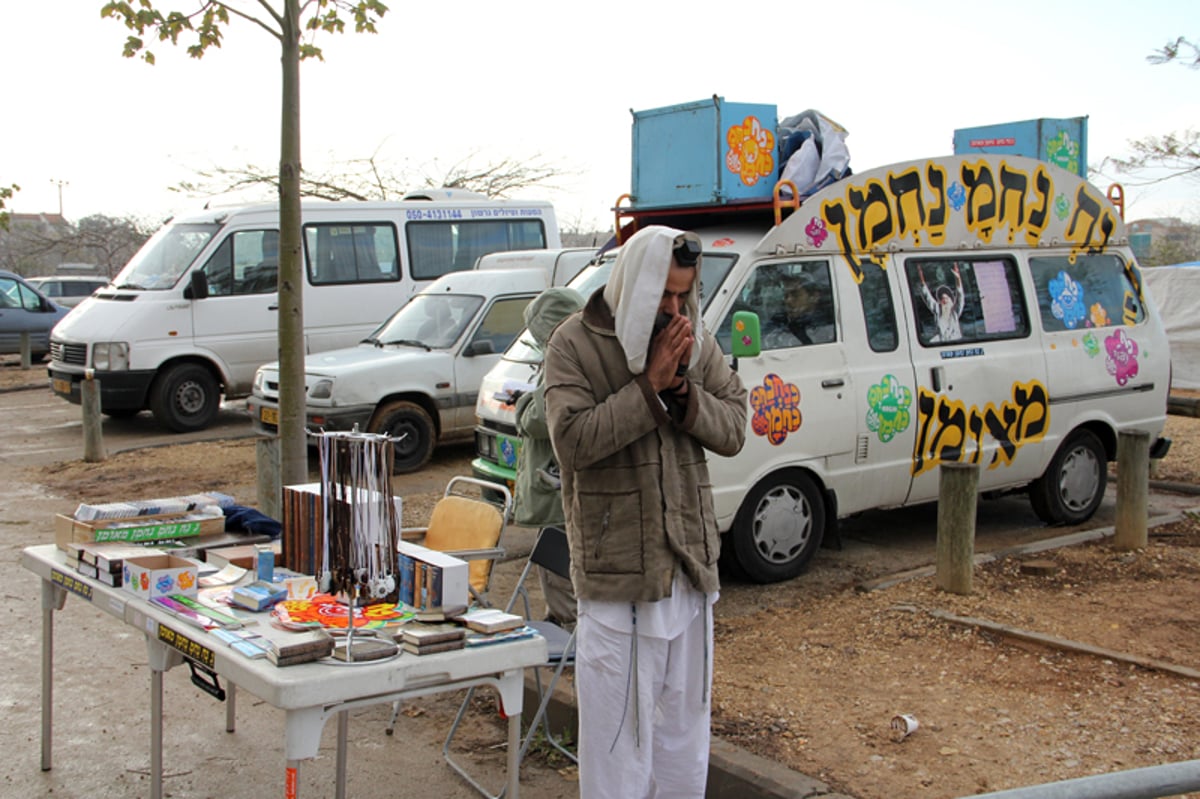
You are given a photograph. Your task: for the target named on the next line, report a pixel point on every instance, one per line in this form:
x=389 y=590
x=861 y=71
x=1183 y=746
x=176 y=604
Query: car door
x=981 y=393
x=499 y=323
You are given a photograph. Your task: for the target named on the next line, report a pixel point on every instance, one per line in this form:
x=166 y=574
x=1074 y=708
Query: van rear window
x=1095 y=291
x=437 y=248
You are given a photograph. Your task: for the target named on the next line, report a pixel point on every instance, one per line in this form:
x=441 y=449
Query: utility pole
x=60 y=184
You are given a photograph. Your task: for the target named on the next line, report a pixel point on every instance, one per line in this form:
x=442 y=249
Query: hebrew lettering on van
x=949 y=432
x=1091 y=224
x=889 y=408
x=750 y=151
x=775 y=407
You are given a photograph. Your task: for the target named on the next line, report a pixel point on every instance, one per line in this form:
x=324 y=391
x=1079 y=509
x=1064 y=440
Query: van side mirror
x=197 y=288
x=481 y=346
x=745 y=336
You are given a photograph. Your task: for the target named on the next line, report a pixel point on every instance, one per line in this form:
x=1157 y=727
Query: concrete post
x=1133 y=489
x=270 y=489
x=93 y=434
x=957 y=496
x=26 y=351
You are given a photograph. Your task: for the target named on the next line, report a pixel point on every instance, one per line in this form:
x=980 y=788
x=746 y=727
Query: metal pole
x=1170 y=779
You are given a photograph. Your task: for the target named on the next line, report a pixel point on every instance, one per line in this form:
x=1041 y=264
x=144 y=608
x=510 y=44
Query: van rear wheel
x=408 y=422
x=778 y=528
x=1073 y=485
x=185 y=398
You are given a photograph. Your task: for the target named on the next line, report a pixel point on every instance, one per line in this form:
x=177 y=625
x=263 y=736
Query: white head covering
x=635 y=289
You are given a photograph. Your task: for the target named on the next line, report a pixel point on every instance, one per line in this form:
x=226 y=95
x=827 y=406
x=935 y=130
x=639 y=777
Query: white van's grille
x=74 y=354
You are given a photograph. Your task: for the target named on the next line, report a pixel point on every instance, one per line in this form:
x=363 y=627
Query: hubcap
x=189 y=397
x=782 y=524
x=1080 y=479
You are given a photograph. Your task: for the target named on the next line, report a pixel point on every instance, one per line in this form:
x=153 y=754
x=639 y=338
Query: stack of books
x=425 y=639
x=285 y=648
x=104 y=560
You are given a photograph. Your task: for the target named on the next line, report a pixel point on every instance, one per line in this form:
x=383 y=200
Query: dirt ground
x=810 y=673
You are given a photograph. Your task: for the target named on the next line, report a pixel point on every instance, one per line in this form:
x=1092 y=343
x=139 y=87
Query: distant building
x=1169 y=236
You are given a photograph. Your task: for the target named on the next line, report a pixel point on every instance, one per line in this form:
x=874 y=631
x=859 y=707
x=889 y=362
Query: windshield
x=163 y=259
x=713 y=271
x=429 y=320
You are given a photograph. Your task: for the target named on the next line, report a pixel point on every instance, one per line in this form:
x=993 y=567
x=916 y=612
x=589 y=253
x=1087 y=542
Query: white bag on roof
x=813 y=150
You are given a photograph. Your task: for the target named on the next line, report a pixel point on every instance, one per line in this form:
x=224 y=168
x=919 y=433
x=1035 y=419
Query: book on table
x=421 y=634
x=430 y=649
x=490 y=620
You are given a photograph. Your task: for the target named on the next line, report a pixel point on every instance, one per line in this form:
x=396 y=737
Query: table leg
x=156 y=733
x=343 y=728
x=291 y=780
x=230 y=708
x=52 y=600
x=514 y=760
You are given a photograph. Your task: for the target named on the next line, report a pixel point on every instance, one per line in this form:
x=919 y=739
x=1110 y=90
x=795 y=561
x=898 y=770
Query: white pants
x=667 y=756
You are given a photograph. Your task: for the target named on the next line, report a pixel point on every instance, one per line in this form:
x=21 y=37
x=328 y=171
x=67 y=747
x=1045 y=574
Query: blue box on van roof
x=705 y=152
x=1062 y=142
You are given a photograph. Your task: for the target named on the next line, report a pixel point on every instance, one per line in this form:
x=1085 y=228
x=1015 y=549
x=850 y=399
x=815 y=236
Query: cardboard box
x=167 y=527
x=705 y=152
x=160 y=575
x=430 y=579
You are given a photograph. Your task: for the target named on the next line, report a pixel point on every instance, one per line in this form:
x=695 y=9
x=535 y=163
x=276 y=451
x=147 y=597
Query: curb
x=733 y=772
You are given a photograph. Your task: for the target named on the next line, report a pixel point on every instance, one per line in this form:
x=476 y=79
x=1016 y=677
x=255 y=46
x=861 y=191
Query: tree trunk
x=293 y=447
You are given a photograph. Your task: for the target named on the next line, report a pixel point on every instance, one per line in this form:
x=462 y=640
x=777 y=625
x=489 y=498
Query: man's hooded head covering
x=548 y=309
x=635 y=289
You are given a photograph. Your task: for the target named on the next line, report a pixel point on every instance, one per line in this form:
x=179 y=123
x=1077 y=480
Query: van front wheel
x=1073 y=486
x=408 y=422
x=778 y=528
x=185 y=398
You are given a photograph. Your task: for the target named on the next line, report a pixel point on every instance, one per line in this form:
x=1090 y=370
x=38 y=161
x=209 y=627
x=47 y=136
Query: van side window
x=794 y=302
x=879 y=311
x=351 y=253
x=502 y=322
x=966 y=300
x=1095 y=291
x=438 y=248
x=246 y=262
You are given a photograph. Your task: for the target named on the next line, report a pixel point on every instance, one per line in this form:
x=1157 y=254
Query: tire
x=1073 y=485
x=185 y=398
x=407 y=419
x=778 y=528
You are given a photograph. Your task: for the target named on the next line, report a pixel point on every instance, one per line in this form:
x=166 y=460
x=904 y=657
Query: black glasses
x=686 y=252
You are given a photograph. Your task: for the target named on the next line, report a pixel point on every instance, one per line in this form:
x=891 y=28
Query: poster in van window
x=889 y=408
x=775 y=408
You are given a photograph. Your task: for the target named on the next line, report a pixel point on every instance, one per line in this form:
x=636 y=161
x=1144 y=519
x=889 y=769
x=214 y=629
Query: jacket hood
x=635 y=289
x=548 y=309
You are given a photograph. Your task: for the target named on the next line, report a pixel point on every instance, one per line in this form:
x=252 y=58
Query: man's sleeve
x=716 y=404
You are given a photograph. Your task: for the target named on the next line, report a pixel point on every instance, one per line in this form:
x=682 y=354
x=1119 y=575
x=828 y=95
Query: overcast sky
x=480 y=80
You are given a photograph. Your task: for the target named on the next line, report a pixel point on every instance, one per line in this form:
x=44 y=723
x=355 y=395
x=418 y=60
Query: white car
x=417 y=376
x=68 y=290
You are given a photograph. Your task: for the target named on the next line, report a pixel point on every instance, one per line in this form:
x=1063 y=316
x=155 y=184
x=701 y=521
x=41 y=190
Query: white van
x=561 y=265
x=982 y=309
x=415 y=378
x=193 y=314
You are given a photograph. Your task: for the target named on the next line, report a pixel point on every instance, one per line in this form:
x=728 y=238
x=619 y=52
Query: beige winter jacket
x=635 y=482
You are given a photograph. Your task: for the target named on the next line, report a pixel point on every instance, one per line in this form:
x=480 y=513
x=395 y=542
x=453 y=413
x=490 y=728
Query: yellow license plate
x=62 y=386
x=269 y=416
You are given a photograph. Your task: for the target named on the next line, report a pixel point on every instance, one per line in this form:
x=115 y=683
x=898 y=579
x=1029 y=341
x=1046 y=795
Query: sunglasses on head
x=687 y=252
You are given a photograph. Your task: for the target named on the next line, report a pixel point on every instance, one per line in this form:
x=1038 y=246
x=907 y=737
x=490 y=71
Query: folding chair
x=470 y=528
x=551 y=552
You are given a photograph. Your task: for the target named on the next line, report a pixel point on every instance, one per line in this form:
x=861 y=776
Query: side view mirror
x=745 y=336
x=197 y=287
x=481 y=347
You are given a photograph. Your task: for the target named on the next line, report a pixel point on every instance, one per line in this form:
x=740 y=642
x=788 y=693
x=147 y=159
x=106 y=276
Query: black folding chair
x=551 y=552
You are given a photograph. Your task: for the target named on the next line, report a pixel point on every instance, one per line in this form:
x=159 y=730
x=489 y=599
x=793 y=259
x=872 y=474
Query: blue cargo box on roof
x=704 y=152
x=1062 y=142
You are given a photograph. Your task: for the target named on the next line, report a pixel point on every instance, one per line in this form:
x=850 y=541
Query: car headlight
x=110 y=356
x=322 y=389
x=258 y=381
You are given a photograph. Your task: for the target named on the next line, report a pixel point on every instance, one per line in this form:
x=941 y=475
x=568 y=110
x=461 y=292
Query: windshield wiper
x=133 y=287
x=408 y=342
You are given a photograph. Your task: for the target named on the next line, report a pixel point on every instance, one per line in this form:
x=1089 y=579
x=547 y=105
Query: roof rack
x=628 y=219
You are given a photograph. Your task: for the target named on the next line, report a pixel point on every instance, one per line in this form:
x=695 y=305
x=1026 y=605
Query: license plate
x=61 y=386
x=269 y=416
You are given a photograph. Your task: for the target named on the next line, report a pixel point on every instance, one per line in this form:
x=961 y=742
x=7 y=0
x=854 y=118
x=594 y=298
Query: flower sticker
x=1098 y=316
x=1066 y=300
x=776 y=408
x=957 y=196
x=739 y=327
x=1090 y=345
x=508 y=452
x=1062 y=206
x=888 y=408
x=816 y=232
x=185 y=580
x=750 y=151
x=1122 y=357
